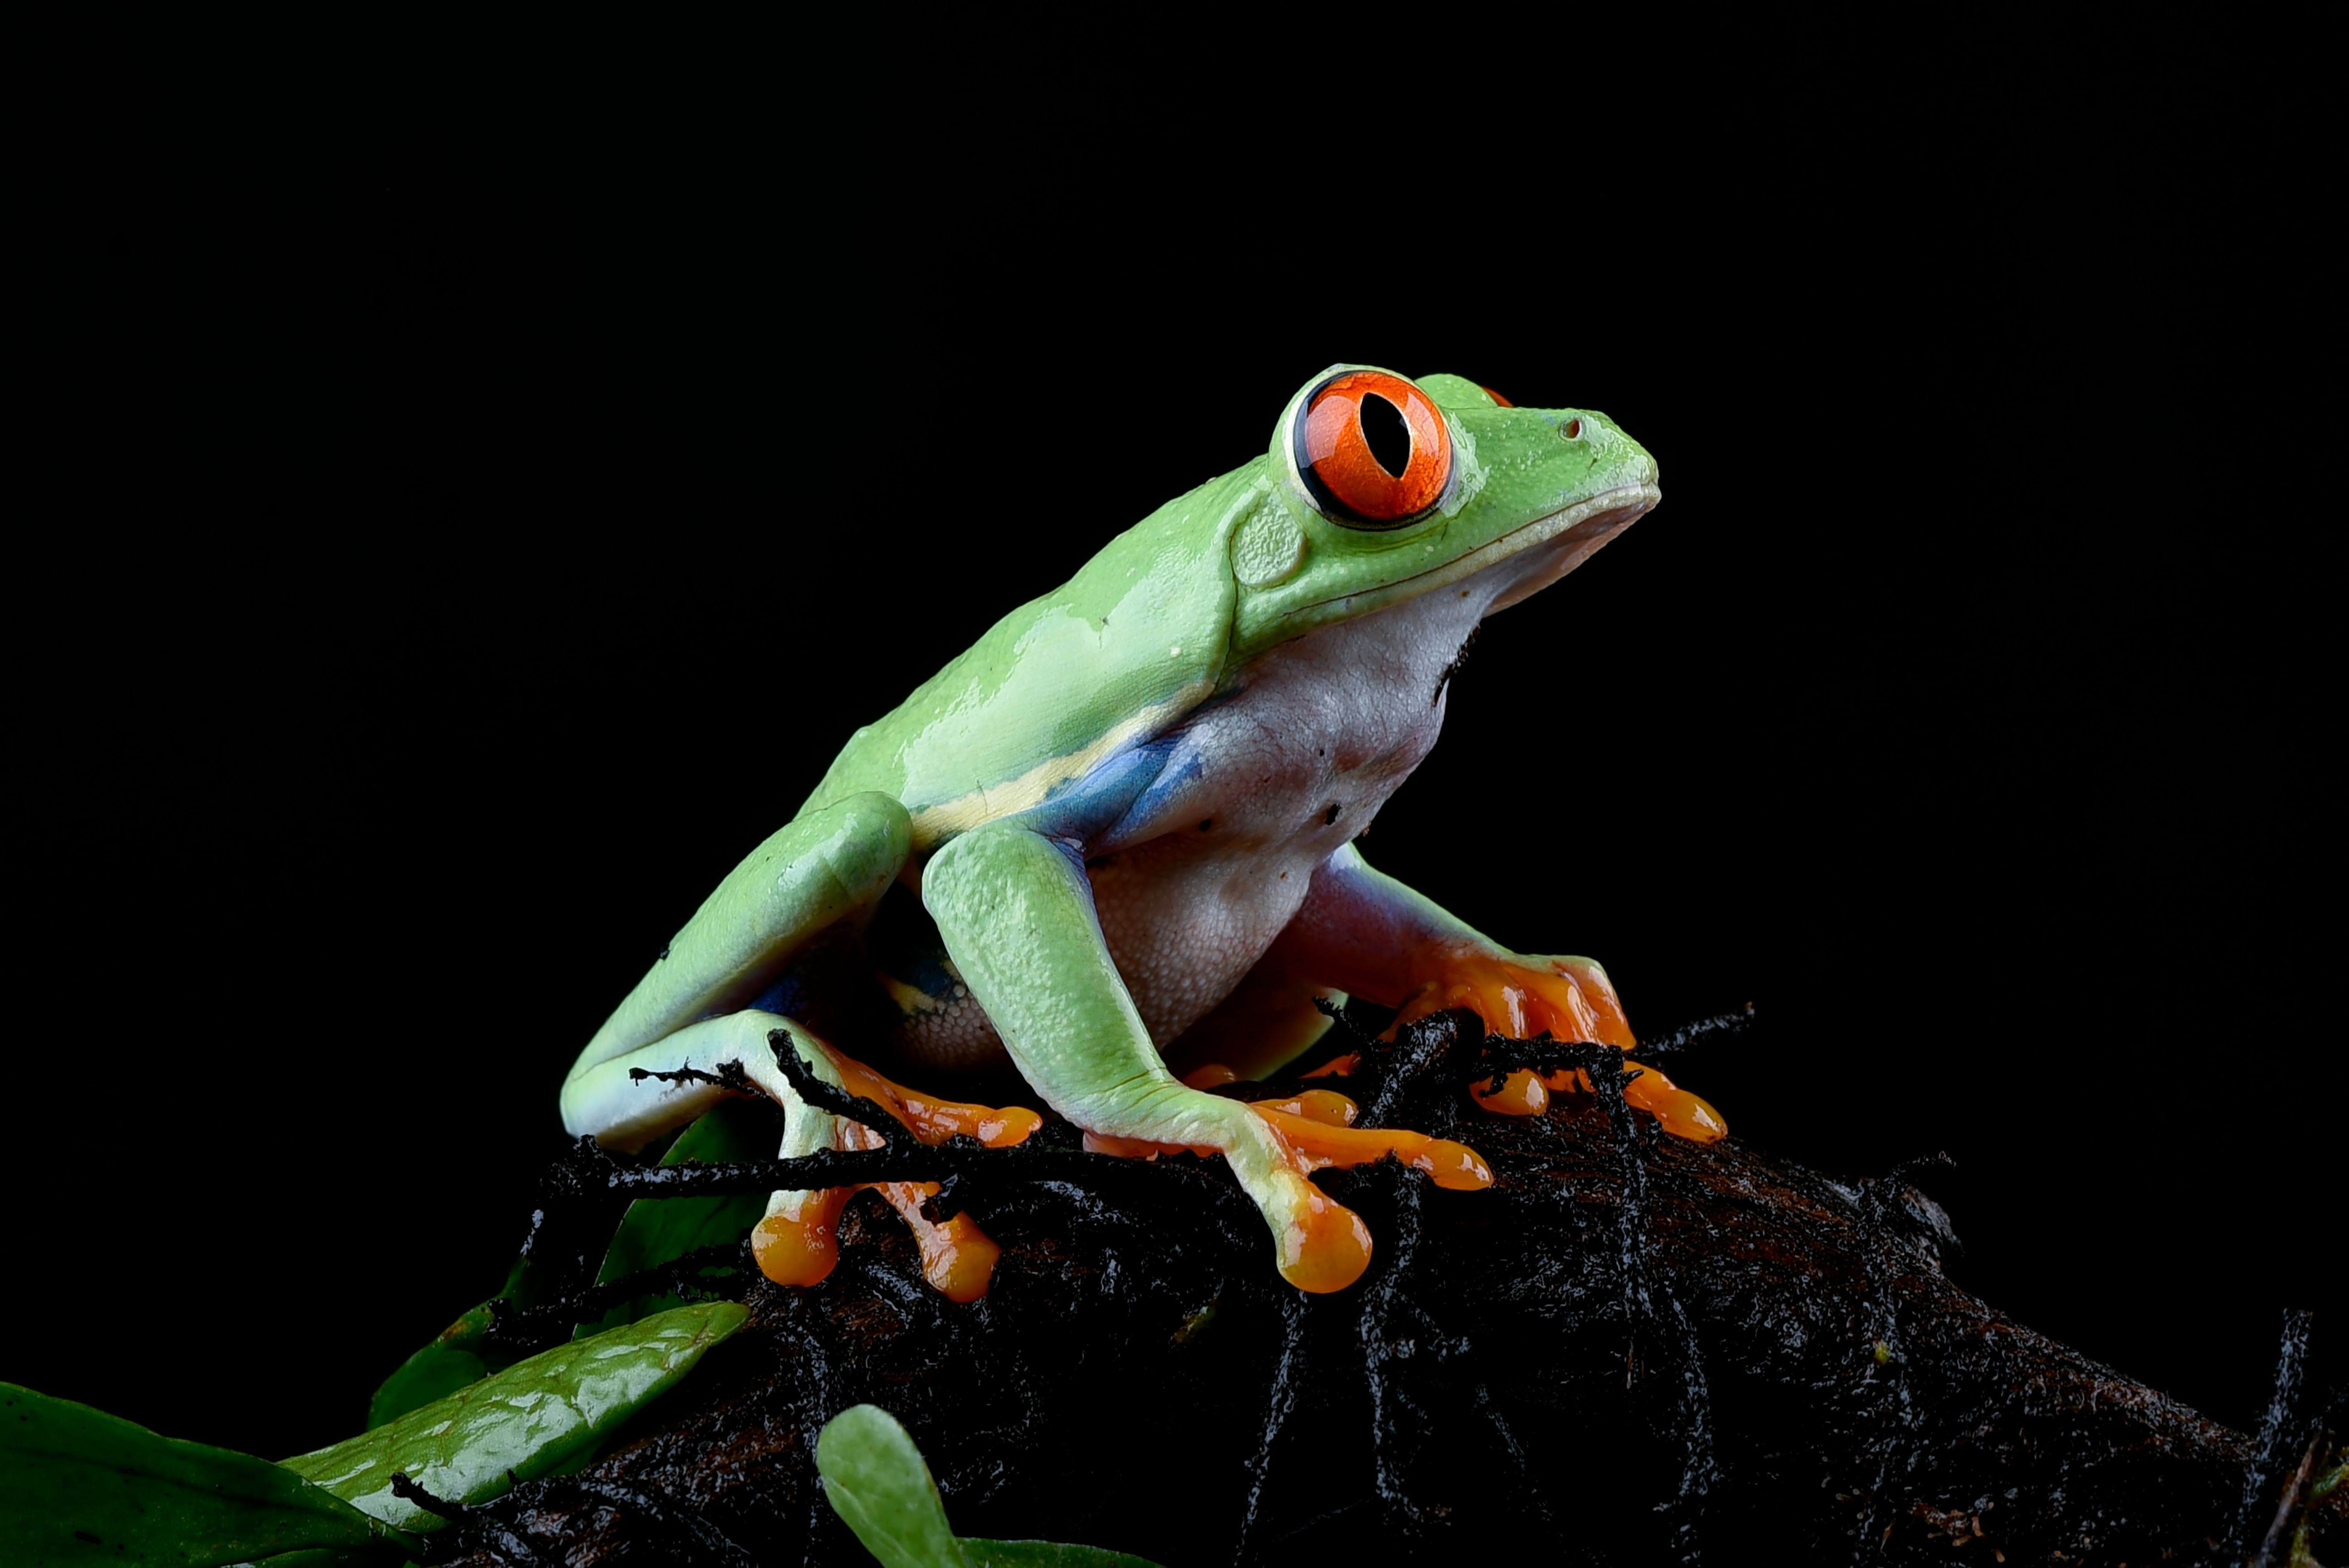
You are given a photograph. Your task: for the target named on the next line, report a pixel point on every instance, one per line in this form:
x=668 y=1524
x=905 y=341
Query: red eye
x=1372 y=449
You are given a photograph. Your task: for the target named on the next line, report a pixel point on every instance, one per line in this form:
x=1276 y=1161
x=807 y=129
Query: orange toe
x=1326 y=1105
x=1320 y=1144
x=1684 y=1115
x=1522 y=1093
x=1328 y=1250
x=934 y=1120
x=957 y=1257
x=802 y=1250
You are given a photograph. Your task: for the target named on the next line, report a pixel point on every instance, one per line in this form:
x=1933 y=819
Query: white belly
x=1291 y=766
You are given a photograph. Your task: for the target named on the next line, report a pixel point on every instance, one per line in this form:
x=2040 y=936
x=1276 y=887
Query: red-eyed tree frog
x=1114 y=840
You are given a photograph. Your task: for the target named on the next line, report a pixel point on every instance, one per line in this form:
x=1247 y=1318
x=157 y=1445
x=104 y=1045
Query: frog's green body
x=1123 y=818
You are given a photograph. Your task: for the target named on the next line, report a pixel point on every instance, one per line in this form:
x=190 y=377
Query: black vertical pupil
x=1388 y=436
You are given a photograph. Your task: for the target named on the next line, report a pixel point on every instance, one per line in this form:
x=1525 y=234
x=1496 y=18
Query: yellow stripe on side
x=933 y=825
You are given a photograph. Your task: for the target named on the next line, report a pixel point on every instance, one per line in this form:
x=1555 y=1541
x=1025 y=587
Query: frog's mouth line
x=1573 y=534
x=1578 y=532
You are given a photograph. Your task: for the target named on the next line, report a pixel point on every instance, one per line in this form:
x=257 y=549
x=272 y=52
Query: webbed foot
x=796 y=1243
x=1566 y=999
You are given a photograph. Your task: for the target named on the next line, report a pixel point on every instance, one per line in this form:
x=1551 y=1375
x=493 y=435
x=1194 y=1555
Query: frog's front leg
x=1016 y=912
x=686 y=1021
x=1364 y=933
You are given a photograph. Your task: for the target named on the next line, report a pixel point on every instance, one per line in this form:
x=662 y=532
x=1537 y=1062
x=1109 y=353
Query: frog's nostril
x=1571 y=430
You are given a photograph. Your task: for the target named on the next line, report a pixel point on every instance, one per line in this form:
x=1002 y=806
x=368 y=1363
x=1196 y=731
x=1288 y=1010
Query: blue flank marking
x=1086 y=810
x=1181 y=768
x=782 y=996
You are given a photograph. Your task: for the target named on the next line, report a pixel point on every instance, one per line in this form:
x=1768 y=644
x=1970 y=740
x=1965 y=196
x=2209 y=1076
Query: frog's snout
x=1624 y=462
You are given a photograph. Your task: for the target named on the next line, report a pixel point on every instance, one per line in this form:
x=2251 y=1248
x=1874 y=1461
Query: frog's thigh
x=1358 y=929
x=805 y=877
x=607 y=1102
x=1017 y=915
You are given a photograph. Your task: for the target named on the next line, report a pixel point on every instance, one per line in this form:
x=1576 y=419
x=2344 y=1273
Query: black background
x=476 y=530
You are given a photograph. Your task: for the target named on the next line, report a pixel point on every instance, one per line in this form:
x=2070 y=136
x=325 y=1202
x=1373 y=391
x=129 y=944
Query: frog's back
x=1137 y=638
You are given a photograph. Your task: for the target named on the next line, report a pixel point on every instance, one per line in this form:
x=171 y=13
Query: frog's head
x=1378 y=488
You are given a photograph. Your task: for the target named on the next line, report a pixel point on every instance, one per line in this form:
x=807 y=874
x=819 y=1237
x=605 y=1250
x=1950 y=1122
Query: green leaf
x=877 y=1482
x=529 y=1419
x=79 y=1486
x=655 y=1230
x=1045 y=1554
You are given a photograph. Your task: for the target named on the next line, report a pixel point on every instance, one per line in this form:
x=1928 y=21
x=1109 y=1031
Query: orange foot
x=1324 y=1245
x=1567 y=998
x=957 y=1257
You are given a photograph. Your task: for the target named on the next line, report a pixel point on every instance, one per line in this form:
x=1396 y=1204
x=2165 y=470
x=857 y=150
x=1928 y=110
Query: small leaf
x=528 y=1419
x=1045 y=1554
x=655 y=1230
x=877 y=1482
x=79 y=1486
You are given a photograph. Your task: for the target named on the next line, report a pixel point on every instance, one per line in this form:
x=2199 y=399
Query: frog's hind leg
x=660 y=1085
x=1381 y=941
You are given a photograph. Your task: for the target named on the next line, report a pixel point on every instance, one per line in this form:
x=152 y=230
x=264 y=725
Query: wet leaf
x=79 y=1486
x=529 y=1419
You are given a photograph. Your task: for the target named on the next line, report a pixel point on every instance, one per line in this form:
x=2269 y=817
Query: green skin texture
x=1169 y=616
